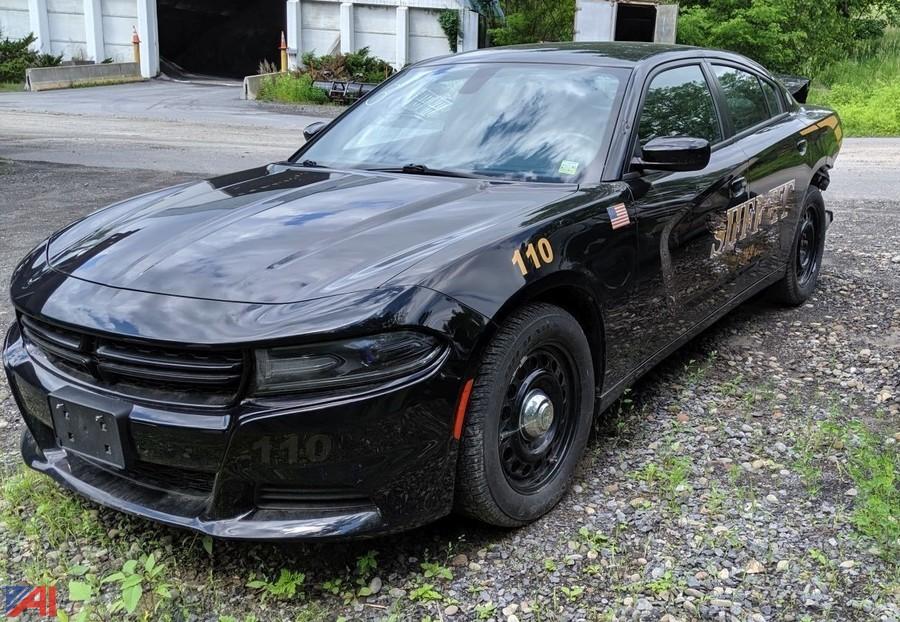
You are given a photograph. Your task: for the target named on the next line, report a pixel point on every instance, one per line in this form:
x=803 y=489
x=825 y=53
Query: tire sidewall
x=564 y=332
x=812 y=200
x=788 y=290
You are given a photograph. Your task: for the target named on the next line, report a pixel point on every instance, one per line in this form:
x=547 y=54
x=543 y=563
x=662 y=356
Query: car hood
x=281 y=234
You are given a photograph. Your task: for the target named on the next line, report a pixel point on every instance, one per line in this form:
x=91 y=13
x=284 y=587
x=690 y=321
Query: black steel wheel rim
x=530 y=461
x=808 y=247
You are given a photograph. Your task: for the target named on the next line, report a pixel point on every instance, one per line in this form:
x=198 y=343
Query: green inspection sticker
x=568 y=167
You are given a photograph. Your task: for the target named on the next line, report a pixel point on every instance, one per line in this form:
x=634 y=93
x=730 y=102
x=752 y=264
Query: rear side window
x=743 y=96
x=772 y=98
x=679 y=103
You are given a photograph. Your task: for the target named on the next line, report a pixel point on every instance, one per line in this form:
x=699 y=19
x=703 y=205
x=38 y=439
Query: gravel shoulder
x=751 y=476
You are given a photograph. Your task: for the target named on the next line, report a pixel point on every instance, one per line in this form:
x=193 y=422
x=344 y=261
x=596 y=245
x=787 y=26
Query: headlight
x=346 y=363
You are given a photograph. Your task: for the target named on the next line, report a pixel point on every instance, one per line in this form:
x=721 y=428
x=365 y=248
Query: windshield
x=515 y=121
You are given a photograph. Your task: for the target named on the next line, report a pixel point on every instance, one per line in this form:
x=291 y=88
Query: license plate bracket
x=90 y=425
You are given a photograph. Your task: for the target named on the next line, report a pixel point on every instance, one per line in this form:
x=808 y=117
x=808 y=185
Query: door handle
x=801 y=146
x=738 y=187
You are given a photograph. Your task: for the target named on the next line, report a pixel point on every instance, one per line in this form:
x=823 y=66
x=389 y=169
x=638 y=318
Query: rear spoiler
x=798 y=86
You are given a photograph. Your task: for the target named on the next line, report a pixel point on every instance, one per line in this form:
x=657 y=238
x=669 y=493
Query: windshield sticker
x=568 y=167
x=428 y=104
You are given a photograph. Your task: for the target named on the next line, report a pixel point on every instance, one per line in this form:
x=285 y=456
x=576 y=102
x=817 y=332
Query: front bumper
x=356 y=467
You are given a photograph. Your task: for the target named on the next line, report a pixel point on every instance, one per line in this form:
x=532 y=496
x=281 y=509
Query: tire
x=539 y=352
x=807 y=249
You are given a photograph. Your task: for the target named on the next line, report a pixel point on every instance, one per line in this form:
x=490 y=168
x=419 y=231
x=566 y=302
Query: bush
x=533 y=21
x=360 y=66
x=789 y=36
x=16 y=56
x=291 y=88
x=864 y=89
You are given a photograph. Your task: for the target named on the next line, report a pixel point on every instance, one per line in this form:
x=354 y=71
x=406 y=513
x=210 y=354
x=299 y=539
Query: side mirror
x=674 y=153
x=313 y=128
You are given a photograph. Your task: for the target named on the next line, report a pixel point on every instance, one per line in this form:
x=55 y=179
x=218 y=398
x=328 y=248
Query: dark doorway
x=635 y=22
x=220 y=37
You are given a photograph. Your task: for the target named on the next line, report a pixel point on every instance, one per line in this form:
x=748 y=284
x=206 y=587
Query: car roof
x=603 y=53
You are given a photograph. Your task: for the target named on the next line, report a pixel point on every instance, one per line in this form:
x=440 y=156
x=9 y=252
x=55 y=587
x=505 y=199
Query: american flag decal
x=618 y=216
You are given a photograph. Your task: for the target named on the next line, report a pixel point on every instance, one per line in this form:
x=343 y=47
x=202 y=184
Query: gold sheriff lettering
x=746 y=219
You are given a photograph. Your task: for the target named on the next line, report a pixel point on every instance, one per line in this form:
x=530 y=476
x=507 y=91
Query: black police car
x=425 y=306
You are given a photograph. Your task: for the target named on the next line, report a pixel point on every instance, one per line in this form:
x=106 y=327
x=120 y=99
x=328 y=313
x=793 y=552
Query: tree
x=790 y=36
x=531 y=21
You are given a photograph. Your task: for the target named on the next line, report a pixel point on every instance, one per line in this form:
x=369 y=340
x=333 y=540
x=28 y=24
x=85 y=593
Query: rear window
x=743 y=96
x=771 y=98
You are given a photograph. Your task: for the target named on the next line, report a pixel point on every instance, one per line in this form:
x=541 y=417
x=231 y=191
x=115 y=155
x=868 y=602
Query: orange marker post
x=136 y=45
x=284 y=58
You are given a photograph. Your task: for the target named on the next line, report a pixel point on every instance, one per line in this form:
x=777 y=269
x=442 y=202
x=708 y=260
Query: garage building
x=231 y=37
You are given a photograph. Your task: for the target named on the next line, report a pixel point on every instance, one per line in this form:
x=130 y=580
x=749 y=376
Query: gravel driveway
x=752 y=476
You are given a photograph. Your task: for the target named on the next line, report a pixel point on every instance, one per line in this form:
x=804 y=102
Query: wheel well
x=585 y=309
x=821 y=179
x=582 y=306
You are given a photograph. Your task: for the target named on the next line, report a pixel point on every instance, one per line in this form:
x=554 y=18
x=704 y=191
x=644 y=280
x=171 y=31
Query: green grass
x=11 y=86
x=875 y=470
x=34 y=506
x=872 y=465
x=864 y=89
x=290 y=88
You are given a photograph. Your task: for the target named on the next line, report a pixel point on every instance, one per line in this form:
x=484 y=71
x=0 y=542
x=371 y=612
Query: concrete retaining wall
x=48 y=78
x=397 y=31
x=252 y=84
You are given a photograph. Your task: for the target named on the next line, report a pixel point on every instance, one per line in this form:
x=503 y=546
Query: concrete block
x=252 y=84
x=48 y=78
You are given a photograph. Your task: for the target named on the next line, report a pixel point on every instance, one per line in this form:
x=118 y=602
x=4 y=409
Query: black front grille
x=170 y=375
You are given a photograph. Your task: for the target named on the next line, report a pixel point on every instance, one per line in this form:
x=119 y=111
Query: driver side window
x=679 y=103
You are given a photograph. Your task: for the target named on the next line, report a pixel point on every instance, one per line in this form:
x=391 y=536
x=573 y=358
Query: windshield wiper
x=421 y=169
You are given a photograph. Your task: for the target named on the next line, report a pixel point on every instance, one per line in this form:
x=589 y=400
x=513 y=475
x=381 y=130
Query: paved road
x=867 y=169
x=162 y=126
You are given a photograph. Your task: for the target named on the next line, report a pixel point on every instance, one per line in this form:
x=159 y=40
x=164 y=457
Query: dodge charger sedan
x=422 y=309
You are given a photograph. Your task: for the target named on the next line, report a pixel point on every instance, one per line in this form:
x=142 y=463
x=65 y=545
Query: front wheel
x=805 y=262
x=528 y=420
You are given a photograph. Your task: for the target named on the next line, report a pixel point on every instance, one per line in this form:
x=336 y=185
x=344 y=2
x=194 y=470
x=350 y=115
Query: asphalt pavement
x=155 y=125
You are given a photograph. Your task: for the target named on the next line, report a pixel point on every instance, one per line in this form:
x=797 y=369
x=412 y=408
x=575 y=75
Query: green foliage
x=16 y=56
x=532 y=21
x=449 y=20
x=572 y=593
x=425 y=593
x=864 y=89
x=139 y=578
x=485 y=611
x=290 y=88
x=876 y=473
x=34 y=506
x=283 y=588
x=436 y=571
x=789 y=36
x=366 y=565
x=360 y=66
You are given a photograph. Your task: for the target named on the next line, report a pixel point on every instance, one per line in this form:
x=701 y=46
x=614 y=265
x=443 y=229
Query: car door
x=681 y=282
x=758 y=235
